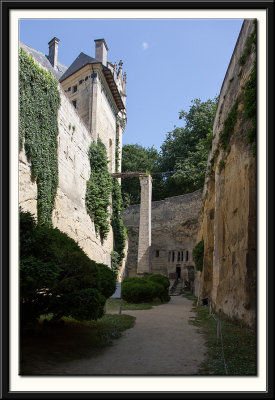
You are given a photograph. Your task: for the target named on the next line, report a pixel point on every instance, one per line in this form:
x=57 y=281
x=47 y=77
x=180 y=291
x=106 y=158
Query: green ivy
x=198 y=253
x=39 y=101
x=250 y=42
x=250 y=106
x=228 y=126
x=98 y=189
x=119 y=229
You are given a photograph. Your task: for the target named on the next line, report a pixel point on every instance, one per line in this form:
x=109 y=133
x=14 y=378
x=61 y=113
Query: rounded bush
x=107 y=279
x=145 y=289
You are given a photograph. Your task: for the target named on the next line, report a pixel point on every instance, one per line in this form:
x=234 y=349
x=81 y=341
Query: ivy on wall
x=198 y=253
x=98 y=189
x=39 y=101
x=119 y=229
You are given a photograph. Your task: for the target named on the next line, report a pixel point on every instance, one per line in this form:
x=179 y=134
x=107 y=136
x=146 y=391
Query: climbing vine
x=39 y=101
x=119 y=229
x=98 y=189
x=198 y=253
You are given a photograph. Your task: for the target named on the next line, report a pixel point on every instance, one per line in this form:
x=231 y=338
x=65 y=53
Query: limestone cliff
x=175 y=227
x=228 y=221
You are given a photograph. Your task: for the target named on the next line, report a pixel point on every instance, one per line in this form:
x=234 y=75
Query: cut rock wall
x=174 y=227
x=228 y=222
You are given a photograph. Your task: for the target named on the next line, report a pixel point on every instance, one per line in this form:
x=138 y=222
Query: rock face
x=174 y=227
x=228 y=222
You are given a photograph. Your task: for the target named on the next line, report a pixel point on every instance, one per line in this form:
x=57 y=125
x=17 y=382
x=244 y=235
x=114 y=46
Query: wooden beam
x=128 y=174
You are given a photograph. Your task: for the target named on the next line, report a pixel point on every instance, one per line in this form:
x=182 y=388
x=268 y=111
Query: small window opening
x=157 y=253
x=173 y=256
x=80 y=82
x=86 y=78
x=69 y=89
x=74 y=103
x=182 y=256
x=178 y=256
x=186 y=255
x=74 y=88
x=169 y=256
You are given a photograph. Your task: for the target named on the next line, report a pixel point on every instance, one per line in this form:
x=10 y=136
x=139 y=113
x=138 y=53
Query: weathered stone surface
x=174 y=229
x=144 y=239
x=228 y=224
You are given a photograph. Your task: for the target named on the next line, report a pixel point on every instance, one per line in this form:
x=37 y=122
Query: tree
x=57 y=277
x=186 y=148
x=136 y=158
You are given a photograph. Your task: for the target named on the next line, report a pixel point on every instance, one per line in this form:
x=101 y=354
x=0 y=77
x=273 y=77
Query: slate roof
x=83 y=60
x=43 y=60
x=78 y=63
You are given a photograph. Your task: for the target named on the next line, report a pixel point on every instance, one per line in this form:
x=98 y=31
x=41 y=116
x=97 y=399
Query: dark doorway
x=178 y=272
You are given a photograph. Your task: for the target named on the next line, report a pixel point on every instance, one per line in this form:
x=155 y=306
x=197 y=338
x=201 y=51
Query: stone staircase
x=176 y=288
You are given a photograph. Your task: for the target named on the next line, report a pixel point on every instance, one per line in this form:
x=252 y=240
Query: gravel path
x=162 y=342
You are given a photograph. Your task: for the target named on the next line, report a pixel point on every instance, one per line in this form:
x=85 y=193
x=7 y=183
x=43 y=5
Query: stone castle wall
x=69 y=214
x=174 y=227
x=228 y=223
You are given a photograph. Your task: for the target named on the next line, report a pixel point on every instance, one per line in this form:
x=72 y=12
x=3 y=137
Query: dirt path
x=161 y=343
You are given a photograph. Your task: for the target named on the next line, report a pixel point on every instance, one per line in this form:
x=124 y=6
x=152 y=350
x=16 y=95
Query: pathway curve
x=162 y=342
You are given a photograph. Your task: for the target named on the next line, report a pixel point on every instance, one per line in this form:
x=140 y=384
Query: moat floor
x=162 y=342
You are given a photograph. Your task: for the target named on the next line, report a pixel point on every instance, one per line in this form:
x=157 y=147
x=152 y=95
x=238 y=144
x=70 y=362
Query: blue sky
x=168 y=63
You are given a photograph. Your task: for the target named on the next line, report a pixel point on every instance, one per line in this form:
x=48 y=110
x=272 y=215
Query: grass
x=239 y=345
x=46 y=344
x=113 y=305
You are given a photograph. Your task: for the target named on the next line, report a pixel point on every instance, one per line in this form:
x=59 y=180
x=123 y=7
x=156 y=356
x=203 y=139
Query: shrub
x=139 y=293
x=198 y=252
x=57 y=277
x=107 y=280
x=145 y=289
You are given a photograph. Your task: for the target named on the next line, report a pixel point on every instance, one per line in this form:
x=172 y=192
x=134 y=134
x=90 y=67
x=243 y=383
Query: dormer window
x=74 y=88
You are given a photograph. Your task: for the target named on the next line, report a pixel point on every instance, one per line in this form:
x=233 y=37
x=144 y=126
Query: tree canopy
x=180 y=165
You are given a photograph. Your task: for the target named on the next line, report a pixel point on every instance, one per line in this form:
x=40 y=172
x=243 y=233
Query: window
x=69 y=89
x=86 y=78
x=178 y=255
x=169 y=256
x=182 y=256
x=74 y=103
x=74 y=88
x=186 y=255
x=157 y=253
x=173 y=256
x=80 y=82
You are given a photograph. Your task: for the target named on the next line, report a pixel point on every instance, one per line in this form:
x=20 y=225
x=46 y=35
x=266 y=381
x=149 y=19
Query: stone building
x=93 y=98
x=174 y=227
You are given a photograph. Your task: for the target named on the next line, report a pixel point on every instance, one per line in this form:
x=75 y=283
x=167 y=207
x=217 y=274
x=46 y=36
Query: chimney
x=101 y=49
x=53 y=51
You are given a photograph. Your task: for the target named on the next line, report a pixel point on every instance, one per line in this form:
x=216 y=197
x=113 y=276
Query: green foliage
x=228 y=126
x=145 y=289
x=239 y=346
x=57 y=277
x=197 y=253
x=221 y=165
x=185 y=149
x=98 y=189
x=119 y=229
x=136 y=158
x=107 y=279
x=180 y=166
x=251 y=43
x=250 y=106
x=39 y=101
